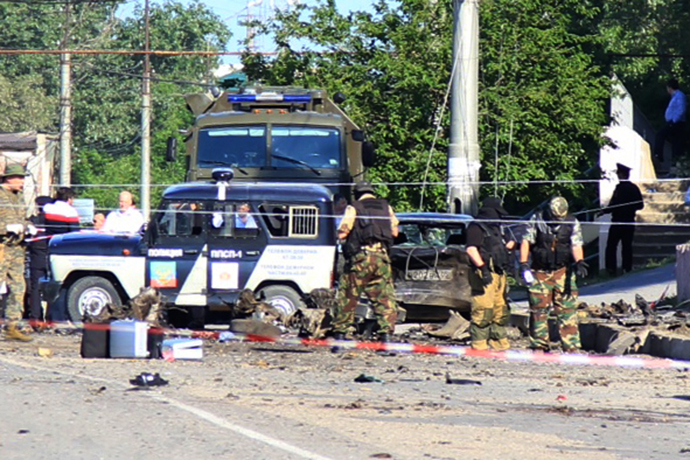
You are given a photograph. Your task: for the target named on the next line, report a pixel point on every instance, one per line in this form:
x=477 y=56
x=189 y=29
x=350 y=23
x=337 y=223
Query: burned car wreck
x=430 y=265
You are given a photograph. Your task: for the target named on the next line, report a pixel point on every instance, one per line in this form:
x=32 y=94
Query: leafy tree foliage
x=106 y=90
x=395 y=64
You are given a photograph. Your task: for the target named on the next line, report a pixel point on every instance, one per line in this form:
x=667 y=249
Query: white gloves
x=17 y=229
x=31 y=230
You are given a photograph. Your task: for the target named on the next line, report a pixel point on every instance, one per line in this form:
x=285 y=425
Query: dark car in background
x=430 y=265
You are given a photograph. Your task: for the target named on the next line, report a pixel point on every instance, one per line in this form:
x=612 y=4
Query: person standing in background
x=674 y=130
x=624 y=204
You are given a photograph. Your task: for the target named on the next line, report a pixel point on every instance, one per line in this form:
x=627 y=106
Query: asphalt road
x=256 y=401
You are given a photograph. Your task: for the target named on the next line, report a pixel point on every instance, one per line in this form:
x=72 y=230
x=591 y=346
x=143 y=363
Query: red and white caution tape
x=509 y=355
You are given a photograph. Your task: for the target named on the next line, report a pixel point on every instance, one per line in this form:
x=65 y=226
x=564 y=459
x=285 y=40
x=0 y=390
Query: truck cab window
x=316 y=147
x=240 y=146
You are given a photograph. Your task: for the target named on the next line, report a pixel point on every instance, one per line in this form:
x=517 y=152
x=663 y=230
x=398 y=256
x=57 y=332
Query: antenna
x=262 y=12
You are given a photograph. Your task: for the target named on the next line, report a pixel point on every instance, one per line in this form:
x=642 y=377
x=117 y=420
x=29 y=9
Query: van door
x=237 y=238
x=176 y=260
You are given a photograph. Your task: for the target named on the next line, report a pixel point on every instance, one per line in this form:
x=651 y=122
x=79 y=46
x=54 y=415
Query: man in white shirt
x=127 y=219
x=243 y=219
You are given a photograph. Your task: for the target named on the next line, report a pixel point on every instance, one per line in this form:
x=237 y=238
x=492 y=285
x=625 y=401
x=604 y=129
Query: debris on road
x=148 y=380
x=456 y=328
x=452 y=381
x=363 y=378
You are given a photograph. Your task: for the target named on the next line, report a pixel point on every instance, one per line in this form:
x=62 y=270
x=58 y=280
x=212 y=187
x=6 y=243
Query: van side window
x=234 y=220
x=275 y=216
x=181 y=219
x=285 y=221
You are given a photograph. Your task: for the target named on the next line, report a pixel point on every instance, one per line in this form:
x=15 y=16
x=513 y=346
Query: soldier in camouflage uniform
x=554 y=239
x=368 y=228
x=13 y=226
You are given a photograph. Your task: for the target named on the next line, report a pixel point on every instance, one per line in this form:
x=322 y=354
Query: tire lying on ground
x=90 y=294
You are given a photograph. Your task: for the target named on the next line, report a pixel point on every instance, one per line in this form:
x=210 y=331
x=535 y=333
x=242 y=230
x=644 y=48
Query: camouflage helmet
x=558 y=207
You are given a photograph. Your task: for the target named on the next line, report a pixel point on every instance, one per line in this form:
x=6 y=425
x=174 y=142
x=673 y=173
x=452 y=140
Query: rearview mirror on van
x=171 y=149
x=368 y=154
x=357 y=135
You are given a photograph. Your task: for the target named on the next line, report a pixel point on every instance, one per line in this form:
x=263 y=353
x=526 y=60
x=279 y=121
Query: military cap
x=558 y=206
x=363 y=187
x=622 y=167
x=14 y=169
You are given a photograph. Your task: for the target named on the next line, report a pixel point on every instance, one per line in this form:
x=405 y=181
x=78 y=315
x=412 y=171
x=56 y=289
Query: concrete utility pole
x=66 y=106
x=463 y=152
x=146 y=123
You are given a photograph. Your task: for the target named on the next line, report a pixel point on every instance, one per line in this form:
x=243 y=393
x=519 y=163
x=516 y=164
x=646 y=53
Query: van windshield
x=247 y=146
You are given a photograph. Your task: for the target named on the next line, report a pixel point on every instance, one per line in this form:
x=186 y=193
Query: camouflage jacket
x=12 y=211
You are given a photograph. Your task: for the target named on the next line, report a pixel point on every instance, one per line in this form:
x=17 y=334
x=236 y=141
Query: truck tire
x=92 y=294
x=284 y=298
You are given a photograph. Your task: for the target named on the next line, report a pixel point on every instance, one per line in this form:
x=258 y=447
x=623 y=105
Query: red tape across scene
x=509 y=355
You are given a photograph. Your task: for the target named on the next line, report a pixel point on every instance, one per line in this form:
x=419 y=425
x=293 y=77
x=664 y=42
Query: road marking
x=205 y=415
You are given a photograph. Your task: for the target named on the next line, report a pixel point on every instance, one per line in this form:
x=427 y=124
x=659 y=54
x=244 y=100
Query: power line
x=133 y=52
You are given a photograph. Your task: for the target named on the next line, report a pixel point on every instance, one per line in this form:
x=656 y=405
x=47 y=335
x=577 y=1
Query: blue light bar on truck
x=270 y=97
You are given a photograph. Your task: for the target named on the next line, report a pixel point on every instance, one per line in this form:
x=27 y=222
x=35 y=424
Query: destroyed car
x=430 y=265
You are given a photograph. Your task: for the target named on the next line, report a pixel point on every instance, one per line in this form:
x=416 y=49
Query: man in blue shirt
x=674 y=130
x=243 y=219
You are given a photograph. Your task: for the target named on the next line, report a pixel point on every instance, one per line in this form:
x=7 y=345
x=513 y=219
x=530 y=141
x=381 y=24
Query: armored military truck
x=276 y=134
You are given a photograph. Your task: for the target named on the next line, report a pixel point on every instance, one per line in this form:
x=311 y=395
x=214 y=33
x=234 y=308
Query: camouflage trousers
x=12 y=274
x=490 y=313
x=552 y=289
x=370 y=273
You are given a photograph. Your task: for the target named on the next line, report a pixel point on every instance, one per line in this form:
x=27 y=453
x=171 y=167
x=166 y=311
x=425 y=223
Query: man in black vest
x=625 y=202
x=554 y=238
x=490 y=258
x=367 y=229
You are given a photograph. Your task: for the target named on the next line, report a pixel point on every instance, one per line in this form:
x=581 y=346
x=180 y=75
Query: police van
x=205 y=244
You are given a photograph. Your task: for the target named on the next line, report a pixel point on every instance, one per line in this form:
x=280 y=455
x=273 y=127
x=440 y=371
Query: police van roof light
x=270 y=97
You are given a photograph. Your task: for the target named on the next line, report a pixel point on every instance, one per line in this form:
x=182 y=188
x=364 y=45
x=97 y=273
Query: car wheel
x=91 y=295
x=283 y=298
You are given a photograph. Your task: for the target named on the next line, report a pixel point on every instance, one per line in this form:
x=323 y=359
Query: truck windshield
x=314 y=147
x=293 y=147
x=243 y=146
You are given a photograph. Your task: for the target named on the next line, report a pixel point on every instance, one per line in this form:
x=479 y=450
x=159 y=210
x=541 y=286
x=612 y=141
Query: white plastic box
x=182 y=349
x=129 y=339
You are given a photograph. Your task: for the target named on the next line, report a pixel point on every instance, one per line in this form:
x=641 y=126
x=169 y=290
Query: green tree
x=395 y=64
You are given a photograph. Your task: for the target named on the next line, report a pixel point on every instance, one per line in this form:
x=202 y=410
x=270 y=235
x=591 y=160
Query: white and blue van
x=205 y=244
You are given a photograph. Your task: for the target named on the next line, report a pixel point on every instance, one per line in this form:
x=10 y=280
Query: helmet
x=558 y=207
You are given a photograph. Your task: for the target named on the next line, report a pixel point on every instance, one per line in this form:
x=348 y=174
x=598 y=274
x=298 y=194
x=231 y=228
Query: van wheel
x=283 y=298
x=91 y=295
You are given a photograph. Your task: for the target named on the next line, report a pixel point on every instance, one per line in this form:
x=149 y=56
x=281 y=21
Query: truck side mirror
x=368 y=154
x=357 y=135
x=171 y=149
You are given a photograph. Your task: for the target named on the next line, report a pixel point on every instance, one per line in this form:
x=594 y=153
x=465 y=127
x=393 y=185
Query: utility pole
x=463 y=152
x=146 y=123
x=66 y=106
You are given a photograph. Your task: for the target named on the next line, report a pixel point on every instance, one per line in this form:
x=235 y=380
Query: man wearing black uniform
x=625 y=202
x=490 y=258
x=37 y=251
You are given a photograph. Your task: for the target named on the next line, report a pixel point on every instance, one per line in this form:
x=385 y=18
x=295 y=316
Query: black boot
x=337 y=336
x=384 y=337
